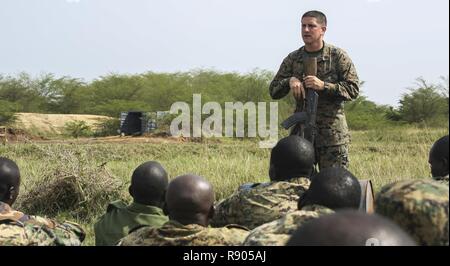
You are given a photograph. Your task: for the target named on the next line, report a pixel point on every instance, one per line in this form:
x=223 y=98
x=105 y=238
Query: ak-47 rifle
x=305 y=118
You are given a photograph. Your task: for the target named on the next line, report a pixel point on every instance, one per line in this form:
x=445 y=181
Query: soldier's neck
x=314 y=47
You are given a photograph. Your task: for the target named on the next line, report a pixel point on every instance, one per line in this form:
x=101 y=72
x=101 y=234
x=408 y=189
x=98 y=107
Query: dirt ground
x=31 y=127
x=52 y=123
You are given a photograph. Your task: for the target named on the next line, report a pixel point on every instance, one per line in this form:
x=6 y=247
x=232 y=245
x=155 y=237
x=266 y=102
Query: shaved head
x=350 y=228
x=190 y=200
x=292 y=157
x=9 y=180
x=149 y=183
x=438 y=157
x=335 y=188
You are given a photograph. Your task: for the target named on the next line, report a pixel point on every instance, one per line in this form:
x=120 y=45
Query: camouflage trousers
x=332 y=156
x=327 y=156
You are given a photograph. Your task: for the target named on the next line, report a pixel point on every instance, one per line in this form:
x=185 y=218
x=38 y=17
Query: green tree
x=424 y=104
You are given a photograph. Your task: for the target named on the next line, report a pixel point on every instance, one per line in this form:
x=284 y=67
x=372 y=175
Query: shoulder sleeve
x=279 y=87
x=347 y=85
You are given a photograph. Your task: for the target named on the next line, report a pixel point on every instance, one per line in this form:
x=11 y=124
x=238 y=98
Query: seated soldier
x=148 y=187
x=438 y=160
x=19 y=229
x=350 y=228
x=291 y=164
x=332 y=189
x=190 y=203
x=420 y=207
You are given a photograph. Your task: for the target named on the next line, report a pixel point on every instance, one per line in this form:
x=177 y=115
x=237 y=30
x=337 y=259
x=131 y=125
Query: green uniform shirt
x=120 y=219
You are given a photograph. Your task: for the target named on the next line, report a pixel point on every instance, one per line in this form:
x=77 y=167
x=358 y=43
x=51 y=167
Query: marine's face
x=312 y=31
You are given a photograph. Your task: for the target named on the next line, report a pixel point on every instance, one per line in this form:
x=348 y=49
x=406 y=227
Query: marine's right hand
x=297 y=88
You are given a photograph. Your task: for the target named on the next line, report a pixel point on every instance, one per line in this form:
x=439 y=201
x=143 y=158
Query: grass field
x=384 y=156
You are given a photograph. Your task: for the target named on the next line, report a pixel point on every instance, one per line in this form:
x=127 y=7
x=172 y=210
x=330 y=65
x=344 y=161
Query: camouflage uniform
x=173 y=233
x=278 y=232
x=120 y=219
x=261 y=204
x=336 y=69
x=18 y=229
x=442 y=179
x=420 y=207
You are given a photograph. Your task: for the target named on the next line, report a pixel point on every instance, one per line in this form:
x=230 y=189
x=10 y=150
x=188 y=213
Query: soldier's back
x=278 y=232
x=420 y=207
x=260 y=204
x=18 y=229
x=175 y=234
x=120 y=219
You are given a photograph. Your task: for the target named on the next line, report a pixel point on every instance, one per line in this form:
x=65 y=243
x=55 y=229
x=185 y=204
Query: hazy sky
x=392 y=42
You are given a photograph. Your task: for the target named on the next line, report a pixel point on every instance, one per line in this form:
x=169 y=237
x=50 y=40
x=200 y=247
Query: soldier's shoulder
x=228 y=235
x=295 y=54
x=13 y=234
x=335 y=49
x=116 y=205
x=442 y=179
x=415 y=189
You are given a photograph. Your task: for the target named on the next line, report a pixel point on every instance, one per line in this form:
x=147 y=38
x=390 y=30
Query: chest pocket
x=324 y=68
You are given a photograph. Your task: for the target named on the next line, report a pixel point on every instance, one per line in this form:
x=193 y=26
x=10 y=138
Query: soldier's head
x=438 y=157
x=350 y=228
x=314 y=25
x=291 y=157
x=419 y=206
x=149 y=183
x=335 y=188
x=190 y=200
x=9 y=181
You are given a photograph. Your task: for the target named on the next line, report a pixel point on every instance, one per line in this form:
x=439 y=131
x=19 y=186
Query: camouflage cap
x=420 y=207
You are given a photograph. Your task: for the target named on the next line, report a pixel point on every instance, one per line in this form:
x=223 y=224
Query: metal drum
x=367 y=197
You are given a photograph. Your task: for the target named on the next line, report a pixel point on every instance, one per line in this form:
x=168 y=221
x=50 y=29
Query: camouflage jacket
x=336 y=69
x=420 y=207
x=120 y=219
x=278 y=232
x=442 y=179
x=261 y=204
x=18 y=229
x=173 y=233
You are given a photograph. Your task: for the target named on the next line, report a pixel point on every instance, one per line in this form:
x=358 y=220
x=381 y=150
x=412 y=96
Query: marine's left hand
x=314 y=83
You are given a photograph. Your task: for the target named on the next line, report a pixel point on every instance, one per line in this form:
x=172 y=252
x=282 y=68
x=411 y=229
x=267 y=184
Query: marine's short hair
x=321 y=18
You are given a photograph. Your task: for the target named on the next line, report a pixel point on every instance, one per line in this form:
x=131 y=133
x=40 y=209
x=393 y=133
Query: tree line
x=425 y=103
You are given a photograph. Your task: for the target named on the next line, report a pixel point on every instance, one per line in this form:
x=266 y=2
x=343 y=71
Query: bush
x=107 y=127
x=78 y=129
x=424 y=105
x=72 y=184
